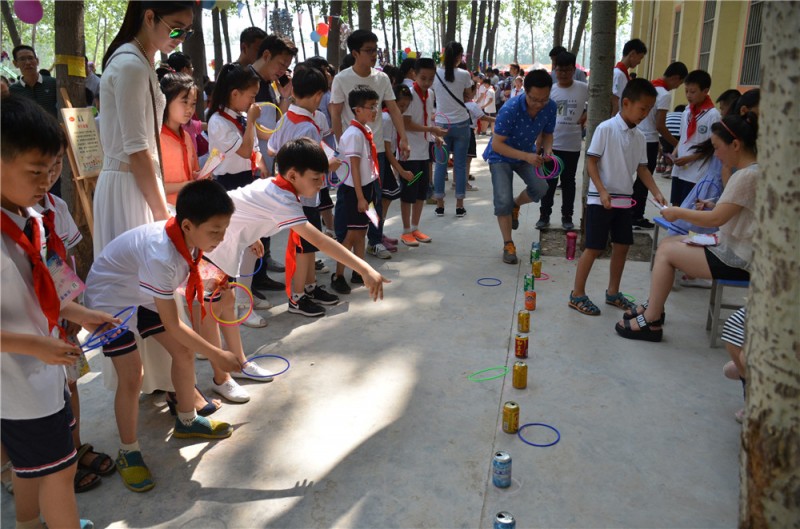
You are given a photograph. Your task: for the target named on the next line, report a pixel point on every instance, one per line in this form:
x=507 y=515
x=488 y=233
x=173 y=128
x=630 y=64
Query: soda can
x=519 y=378
x=510 y=417
x=536 y=250
x=501 y=470
x=536 y=269
x=521 y=346
x=504 y=520
x=524 y=321
x=529 y=283
x=530 y=300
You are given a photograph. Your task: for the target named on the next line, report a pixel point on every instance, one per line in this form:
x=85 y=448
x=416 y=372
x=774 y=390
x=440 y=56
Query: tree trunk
x=217 y=41
x=32 y=42
x=770 y=489
x=313 y=25
x=586 y=6
x=195 y=47
x=473 y=17
x=516 y=31
x=571 y=19
x=488 y=36
x=250 y=13
x=334 y=35
x=414 y=35
x=604 y=38
x=365 y=15
x=350 y=15
x=286 y=7
x=388 y=49
x=560 y=21
x=299 y=7
x=479 y=34
x=442 y=15
x=495 y=24
x=10 y=23
x=433 y=27
x=224 y=20
x=452 y=17
x=70 y=40
x=396 y=21
x=533 y=44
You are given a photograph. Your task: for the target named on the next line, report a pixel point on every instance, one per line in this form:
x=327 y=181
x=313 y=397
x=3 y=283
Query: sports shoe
x=253 y=372
x=230 y=390
x=267 y=283
x=421 y=237
x=320 y=266
x=566 y=223
x=135 y=474
x=510 y=253
x=254 y=320
x=439 y=212
x=339 y=284
x=260 y=304
x=409 y=239
x=642 y=224
x=686 y=281
x=322 y=296
x=202 y=427
x=543 y=222
x=356 y=279
x=306 y=307
x=379 y=251
x=515 y=218
x=461 y=212
x=275 y=266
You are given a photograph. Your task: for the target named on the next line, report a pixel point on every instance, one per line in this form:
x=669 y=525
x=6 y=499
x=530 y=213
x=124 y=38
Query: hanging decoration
x=323 y=28
x=29 y=11
x=323 y=41
x=344 y=32
x=315 y=37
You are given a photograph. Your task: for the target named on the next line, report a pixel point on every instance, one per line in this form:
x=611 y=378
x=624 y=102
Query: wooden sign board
x=85 y=154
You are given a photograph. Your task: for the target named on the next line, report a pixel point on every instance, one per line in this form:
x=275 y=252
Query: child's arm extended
x=646 y=177
x=245 y=150
x=355 y=174
x=87 y=318
x=168 y=312
x=594 y=174
x=45 y=348
x=405 y=175
x=412 y=126
x=372 y=279
x=714 y=218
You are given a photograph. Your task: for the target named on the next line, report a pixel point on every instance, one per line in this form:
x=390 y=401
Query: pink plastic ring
x=628 y=206
x=542 y=277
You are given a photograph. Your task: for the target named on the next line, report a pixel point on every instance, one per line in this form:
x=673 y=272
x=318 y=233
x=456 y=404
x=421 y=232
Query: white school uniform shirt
x=389 y=132
x=353 y=143
x=139 y=265
x=620 y=81
x=66 y=229
x=418 y=142
x=475 y=112
x=571 y=102
x=30 y=388
x=693 y=172
x=346 y=81
x=621 y=150
x=648 y=124
x=226 y=138
x=262 y=210
x=489 y=101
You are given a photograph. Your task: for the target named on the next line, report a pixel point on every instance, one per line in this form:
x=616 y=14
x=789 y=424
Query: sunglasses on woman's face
x=177 y=33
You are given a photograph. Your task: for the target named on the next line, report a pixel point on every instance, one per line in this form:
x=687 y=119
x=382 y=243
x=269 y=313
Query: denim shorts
x=503 y=185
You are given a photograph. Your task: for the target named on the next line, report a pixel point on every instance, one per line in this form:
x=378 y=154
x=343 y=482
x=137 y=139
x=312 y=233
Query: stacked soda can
x=504 y=520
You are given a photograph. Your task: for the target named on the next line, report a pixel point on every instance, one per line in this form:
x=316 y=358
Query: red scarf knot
x=194 y=285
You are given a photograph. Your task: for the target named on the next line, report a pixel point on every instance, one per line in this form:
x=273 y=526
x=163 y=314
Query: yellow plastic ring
x=264 y=129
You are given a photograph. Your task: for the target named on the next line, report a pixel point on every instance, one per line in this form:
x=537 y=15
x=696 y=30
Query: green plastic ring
x=484 y=379
x=629 y=298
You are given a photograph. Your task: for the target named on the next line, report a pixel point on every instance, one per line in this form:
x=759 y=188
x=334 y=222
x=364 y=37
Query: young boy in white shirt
x=617 y=153
x=632 y=54
x=488 y=104
x=389 y=184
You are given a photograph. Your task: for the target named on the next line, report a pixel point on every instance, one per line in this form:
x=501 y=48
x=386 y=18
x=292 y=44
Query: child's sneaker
x=319 y=266
x=461 y=212
x=379 y=251
x=135 y=474
x=322 y=296
x=202 y=427
x=356 y=279
x=306 y=307
x=339 y=284
x=409 y=239
x=439 y=212
x=421 y=237
x=251 y=371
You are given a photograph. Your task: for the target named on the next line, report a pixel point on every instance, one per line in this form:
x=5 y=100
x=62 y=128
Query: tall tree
x=388 y=49
x=488 y=33
x=517 y=15
x=299 y=8
x=586 y=6
x=224 y=20
x=604 y=39
x=770 y=457
x=365 y=15
x=473 y=18
x=313 y=25
x=560 y=21
x=286 y=7
x=334 y=34
x=414 y=35
x=217 y=41
x=476 y=57
x=452 y=17
x=492 y=39
x=396 y=21
x=195 y=47
x=10 y=23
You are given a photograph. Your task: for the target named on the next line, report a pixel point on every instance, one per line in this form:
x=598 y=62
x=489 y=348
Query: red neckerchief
x=660 y=82
x=43 y=285
x=296 y=118
x=240 y=128
x=184 y=149
x=54 y=242
x=194 y=285
x=696 y=110
x=373 y=151
x=624 y=69
x=294 y=239
x=424 y=99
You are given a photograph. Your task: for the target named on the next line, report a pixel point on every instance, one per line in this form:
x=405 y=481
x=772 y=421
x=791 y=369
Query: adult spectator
x=632 y=54
x=452 y=114
x=249 y=45
x=92 y=81
x=513 y=150
x=4 y=84
x=508 y=83
x=180 y=63
x=579 y=74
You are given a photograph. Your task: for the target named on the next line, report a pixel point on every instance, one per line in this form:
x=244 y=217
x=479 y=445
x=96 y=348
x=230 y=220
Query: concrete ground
x=376 y=424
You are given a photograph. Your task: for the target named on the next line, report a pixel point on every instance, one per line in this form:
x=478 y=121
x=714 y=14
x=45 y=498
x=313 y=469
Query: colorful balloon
x=323 y=41
x=29 y=11
x=208 y=4
x=315 y=37
x=412 y=55
x=407 y=50
x=322 y=28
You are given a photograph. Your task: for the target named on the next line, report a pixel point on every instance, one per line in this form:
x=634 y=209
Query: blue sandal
x=583 y=305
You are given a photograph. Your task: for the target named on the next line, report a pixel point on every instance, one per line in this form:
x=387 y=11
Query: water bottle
x=572 y=242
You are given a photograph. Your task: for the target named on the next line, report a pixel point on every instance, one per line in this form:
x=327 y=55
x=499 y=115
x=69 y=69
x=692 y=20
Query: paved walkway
x=376 y=424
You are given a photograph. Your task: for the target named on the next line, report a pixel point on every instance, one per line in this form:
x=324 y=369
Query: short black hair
x=359 y=96
x=728 y=97
x=277 y=45
x=680 y=108
x=555 y=51
x=26 y=126
x=487 y=81
x=251 y=35
x=347 y=61
x=565 y=58
x=699 y=77
x=538 y=79
x=20 y=48
x=406 y=66
x=425 y=63
x=634 y=45
x=676 y=68
x=318 y=62
x=301 y=154
x=360 y=37
x=200 y=200
x=749 y=99
x=401 y=91
x=308 y=80
x=179 y=60
x=638 y=88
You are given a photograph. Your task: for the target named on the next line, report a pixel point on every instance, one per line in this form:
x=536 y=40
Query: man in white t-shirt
x=363 y=46
x=632 y=54
x=571 y=98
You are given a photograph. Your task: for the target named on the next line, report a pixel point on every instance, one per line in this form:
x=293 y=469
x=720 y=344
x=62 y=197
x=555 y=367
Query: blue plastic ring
x=493 y=282
x=521 y=438
x=288 y=365
x=98 y=340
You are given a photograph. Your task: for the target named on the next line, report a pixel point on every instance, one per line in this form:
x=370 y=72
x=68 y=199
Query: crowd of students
x=163 y=226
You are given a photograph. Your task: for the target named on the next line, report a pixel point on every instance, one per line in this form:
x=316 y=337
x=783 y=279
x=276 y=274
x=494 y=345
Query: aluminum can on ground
x=524 y=321
x=519 y=375
x=501 y=470
x=521 y=346
x=510 y=417
x=529 y=283
x=504 y=520
x=530 y=300
x=536 y=269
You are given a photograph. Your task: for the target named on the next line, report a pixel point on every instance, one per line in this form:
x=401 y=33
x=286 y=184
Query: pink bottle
x=572 y=242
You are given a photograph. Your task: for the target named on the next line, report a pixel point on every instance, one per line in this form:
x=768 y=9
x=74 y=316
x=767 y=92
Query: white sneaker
x=258 y=304
x=253 y=372
x=379 y=251
x=254 y=320
x=230 y=390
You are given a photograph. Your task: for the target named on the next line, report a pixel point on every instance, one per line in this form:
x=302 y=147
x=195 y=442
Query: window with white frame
x=707 y=34
x=676 y=31
x=751 y=58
